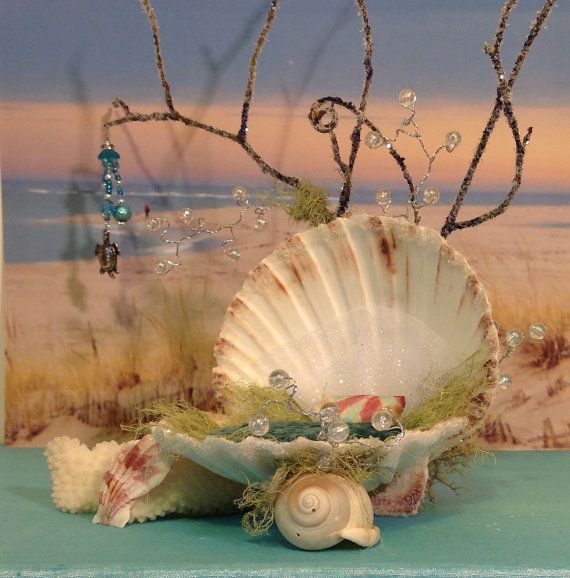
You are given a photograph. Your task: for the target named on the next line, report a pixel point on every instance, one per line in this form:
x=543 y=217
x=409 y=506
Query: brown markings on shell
x=445 y=252
x=471 y=287
x=381 y=233
x=401 y=497
x=301 y=262
x=223 y=344
x=346 y=257
x=263 y=273
x=236 y=306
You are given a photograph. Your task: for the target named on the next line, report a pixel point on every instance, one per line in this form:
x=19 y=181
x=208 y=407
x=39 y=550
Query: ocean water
x=37 y=225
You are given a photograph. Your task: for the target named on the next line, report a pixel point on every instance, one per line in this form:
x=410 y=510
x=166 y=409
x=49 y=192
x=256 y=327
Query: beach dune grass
x=547 y=307
x=163 y=351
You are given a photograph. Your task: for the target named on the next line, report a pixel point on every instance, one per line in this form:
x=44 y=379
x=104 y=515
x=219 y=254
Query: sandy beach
x=66 y=317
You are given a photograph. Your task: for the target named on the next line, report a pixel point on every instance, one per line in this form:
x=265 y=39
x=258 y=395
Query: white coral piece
x=77 y=472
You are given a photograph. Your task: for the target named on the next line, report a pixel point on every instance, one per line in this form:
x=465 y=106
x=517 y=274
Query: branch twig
x=355 y=136
x=149 y=11
x=252 y=71
x=502 y=104
x=175 y=116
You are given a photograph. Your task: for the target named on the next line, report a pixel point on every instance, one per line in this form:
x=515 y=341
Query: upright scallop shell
x=364 y=305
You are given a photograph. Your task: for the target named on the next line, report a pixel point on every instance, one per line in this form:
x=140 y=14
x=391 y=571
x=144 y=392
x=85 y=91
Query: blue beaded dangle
x=108 y=252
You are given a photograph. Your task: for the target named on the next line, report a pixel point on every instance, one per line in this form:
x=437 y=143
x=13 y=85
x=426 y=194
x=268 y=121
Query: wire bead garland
x=198 y=226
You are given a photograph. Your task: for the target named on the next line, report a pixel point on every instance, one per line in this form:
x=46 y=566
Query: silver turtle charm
x=108 y=254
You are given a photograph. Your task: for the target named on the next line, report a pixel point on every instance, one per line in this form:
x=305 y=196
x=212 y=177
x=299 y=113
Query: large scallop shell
x=316 y=512
x=364 y=305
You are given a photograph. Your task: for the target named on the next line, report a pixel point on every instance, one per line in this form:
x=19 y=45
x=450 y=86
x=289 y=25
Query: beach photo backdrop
x=85 y=353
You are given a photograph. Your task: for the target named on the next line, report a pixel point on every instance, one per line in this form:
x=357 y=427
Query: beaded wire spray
x=511 y=340
x=324 y=119
x=198 y=227
x=106 y=251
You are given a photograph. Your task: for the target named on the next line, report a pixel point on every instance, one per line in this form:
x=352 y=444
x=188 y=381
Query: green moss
x=460 y=394
x=310 y=204
x=180 y=417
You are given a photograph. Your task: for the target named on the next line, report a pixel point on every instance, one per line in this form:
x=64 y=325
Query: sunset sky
x=62 y=63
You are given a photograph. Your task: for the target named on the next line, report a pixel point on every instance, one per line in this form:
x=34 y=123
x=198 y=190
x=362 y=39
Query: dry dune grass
x=160 y=349
x=528 y=300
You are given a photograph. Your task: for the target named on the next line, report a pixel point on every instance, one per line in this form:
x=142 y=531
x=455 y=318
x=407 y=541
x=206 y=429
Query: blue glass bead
x=106 y=208
x=109 y=155
x=117 y=176
x=108 y=187
x=122 y=213
x=120 y=191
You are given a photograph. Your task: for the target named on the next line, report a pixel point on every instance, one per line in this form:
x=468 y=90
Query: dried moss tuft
x=180 y=417
x=310 y=204
x=356 y=462
x=460 y=394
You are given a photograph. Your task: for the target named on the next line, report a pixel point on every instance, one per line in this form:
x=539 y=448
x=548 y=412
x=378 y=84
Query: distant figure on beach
x=146 y=210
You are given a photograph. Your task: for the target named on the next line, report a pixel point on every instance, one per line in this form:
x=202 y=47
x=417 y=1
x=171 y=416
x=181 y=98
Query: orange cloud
x=57 y=140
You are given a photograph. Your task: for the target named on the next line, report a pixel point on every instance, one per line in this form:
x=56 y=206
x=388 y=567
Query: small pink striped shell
x=361 y=408
x=137 y=468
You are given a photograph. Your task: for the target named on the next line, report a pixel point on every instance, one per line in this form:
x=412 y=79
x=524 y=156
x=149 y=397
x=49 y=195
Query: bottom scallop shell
x=316 y=512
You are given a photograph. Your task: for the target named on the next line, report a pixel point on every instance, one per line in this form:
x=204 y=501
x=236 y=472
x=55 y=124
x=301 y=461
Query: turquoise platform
x=511 y=519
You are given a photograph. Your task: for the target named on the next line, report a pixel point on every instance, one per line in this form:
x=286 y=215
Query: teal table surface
x=512 y=518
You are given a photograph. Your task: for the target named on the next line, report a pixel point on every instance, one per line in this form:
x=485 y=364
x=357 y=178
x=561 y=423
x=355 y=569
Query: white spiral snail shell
x=315 y=512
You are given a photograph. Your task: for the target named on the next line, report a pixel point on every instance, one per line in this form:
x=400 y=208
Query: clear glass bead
x=329 y=413
x=407 y=98
x=162 y=267
x=383 y=198
x=504 y=381
x=186 y=216
x=157 y=223
x=452 y=139
x=513 y=338
x=537 y=331
x=382 y=420
x=239 y=193
x=374 y=140
x=258 y=425
x=337 y=431
x=431 y=196
x=233 y=255
x=325 y=462
x=279 y=379
x=260 y=224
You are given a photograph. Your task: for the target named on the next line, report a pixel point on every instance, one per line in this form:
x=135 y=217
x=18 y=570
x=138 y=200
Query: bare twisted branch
x=355 y=136
x=502 y=105
x=149 y=11
x=252 y=71
x=174 y=115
